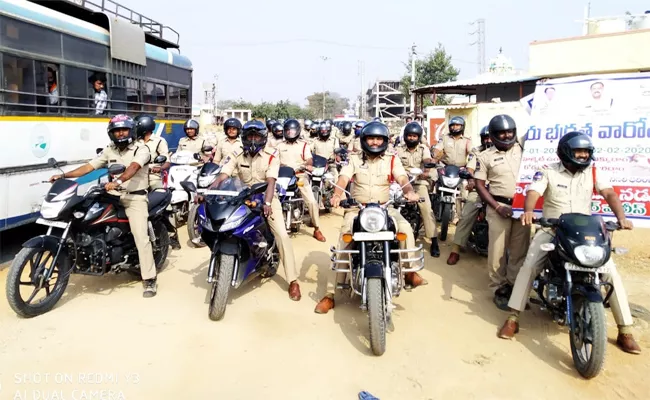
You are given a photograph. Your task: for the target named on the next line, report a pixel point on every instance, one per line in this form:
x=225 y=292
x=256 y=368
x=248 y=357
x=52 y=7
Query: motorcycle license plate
x=289 y=193
x=55 y=224
x=315 y=179
x=371 y=237
x=447 y=199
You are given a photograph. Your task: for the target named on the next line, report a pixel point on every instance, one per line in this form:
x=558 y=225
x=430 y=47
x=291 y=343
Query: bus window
x=97 y=81
x=118 y=94
x=185 y=103
x=30 y=38
x=47 y=87
x=84 y=51
x=155 y=98
x=133 y=95
x=174 y=101
x=76 y=90
x=18 y=77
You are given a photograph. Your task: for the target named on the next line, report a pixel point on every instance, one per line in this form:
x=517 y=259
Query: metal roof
x=466 y=85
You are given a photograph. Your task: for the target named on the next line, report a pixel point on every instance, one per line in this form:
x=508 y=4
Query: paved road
x=443 y=346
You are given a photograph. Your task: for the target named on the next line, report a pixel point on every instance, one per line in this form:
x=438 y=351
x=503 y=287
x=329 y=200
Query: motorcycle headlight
x=372 y=219
x=318 y=171
x=206 y=181
x=450 y=182
x=51 y=210
x=590 y=256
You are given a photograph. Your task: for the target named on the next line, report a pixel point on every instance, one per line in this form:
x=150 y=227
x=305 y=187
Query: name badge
x=363 y=166
x=562 y=186
x=112 y=161
x=244 y=166
x=498 y=159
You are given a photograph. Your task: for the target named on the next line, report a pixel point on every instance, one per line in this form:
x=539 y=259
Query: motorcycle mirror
x=197 y=157
x=430 y=165
x=547 y=247
x=160 y=159
x=188 y=186
x=207 y=149
x=52 y=163
x=259 y=188
x=465 y=175
x=98 y=150
x=415 y=171
x=620 y=250
x=116 y=169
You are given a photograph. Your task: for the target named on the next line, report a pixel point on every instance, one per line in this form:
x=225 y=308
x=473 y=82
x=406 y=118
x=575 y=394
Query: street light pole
x=324 y=58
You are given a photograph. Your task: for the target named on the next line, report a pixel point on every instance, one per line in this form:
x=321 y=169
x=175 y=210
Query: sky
x=270 y=50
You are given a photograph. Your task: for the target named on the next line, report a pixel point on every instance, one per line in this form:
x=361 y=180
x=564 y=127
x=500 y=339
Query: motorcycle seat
x=286 y=172
x=158 y=197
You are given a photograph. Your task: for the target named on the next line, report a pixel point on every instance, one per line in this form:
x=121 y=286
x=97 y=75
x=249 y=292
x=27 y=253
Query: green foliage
x=435 y=68
x=285 y=109
x=334 y=104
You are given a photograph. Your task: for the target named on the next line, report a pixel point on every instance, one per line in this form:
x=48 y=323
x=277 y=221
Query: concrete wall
x=605 y=53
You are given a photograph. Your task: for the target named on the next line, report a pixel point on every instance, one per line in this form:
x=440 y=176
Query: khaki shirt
x=134 y=153
x=455 y=151
x=194 y=145
x=273 y=143
x=225 y=148
x=473 y=157
x=294 y=154
x=324 y=148
x=345 y=140
x=414 y=158
x=372 y=177
x=251 y=170
x=356 y=144
x=157 y=147
x=501 y=168
x=565 y=192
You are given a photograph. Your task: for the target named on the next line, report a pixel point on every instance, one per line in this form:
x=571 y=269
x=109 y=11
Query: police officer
x=567 y=187
x=345 y=137
x=257 y=163
x=231 y=143
x=355 y=145
x=500 y=166
x=157 y=145
x=371 y=171
x=313 y=132
x=277 y=137
x=135 y=180
x=192 y=142
x=414 y=154
x=296 y=153
x=307 y=125
x=470 y=211
x=324 y=146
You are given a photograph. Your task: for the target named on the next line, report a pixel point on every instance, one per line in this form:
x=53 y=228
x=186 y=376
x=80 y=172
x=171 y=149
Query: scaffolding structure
x=386 y=100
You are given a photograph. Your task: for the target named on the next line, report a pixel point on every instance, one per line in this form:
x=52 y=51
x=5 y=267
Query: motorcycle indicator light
x=347 y=238
x=401 y=236
x=301 y=184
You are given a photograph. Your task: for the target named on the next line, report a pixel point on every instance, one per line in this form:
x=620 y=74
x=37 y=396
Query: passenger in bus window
x=101 y=98
x=52 y=87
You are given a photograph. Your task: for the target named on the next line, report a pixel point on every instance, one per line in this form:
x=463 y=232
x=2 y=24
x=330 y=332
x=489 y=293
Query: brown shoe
x=326 y=304
x=318 y=235
x=453 y=258
x=627 y=343
x=294 y=291
x=509 y=329
x=413 y=279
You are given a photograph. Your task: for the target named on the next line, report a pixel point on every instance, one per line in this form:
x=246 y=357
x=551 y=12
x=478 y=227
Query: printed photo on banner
x=614 y=110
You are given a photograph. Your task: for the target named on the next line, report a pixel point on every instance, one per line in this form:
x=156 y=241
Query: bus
x=67 y=67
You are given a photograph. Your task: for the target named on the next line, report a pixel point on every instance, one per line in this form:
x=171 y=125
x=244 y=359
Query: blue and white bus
x=52 y=52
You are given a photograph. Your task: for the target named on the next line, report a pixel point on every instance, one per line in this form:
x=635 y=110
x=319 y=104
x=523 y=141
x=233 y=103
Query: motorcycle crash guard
x=374 y=269
x=591 y=293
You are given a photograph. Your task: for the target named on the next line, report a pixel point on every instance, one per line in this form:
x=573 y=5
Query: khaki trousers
x=310 y=201
x=467 y=219
x=137 y=211
x=426 y=211
x=346 y=227
x=505 y=234
x=283 y=242
x=155 y=181
x=533 y=266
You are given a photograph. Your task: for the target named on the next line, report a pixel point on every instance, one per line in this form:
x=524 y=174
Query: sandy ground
x=104 y=341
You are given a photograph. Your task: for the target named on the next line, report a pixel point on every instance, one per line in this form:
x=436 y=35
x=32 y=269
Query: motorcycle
x=185 y=168
x=569 y=286
x=479 y=236
x=207 y=175
x=410 y=211
x=241 y=243
x=374 y=268
x=96 y=239
x=444 y=197
x=293 y=205
x=322 y=190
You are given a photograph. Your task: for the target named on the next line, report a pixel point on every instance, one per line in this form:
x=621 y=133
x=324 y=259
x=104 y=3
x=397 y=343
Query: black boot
x=435 y=250
x=173 y=241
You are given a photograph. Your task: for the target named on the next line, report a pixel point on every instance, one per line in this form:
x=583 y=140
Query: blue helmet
x=358 y=126
x=457 y=121
x=250 y=128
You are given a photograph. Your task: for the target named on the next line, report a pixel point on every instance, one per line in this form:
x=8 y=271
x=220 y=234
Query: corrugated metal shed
x=468 y=86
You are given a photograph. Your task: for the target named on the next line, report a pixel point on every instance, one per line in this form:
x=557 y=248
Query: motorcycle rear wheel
x=588 y=327
x=377 y=315
x=221 y=287
x=192 y=227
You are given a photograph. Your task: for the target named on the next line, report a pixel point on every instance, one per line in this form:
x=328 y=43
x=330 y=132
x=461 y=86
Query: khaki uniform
x=194 y=144
x=455 y=152
x=355 y=145
x=345 y=140
x=325 y=148
x=157 y=147
x=251 y=170
x=135 y=205
x=415 y=159
x=372 y=184
x=472 y=205
x=226 y=147
x=501 y=168
x=295 y=155
x=273 y=143
x=565 y=192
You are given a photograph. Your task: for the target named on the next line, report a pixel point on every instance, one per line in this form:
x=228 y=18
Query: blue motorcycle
x=242 y=245
x=196 y=216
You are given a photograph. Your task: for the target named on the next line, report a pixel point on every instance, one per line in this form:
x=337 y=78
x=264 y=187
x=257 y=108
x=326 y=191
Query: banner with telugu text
x=613 y=109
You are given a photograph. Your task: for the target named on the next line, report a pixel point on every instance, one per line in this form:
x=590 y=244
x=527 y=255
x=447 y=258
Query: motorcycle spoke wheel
x=588 y=336
x=377 y=315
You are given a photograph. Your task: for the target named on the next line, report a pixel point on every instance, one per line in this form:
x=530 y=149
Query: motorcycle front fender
x=228 y=246
x=51 y=244
x=591 y=293
x=374 y=269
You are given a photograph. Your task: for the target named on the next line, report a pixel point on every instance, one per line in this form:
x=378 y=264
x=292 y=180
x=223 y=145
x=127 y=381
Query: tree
x=240 y=104
x=436 y=67
x=283 y=109
x=334 y=104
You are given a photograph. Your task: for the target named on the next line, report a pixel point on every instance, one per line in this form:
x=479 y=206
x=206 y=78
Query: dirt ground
x=104 y=341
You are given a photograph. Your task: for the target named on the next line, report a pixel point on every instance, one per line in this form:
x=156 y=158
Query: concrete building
x=386 y=100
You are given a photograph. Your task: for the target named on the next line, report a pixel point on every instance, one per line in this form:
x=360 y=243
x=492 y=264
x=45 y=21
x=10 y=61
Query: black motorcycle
x=322 y=191
x=444 y=197
x=479 y=238
x=94 y=239
x=569 y=286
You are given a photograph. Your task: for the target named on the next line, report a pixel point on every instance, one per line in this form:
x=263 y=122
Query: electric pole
x=324 y=58
x=362 y=97
x=480 y=43
x=413 y=54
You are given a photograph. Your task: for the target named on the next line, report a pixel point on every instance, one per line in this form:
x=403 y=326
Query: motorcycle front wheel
x=221 y=286
x=377 y=315
x=445 y=219
x=588 y=336
x=36 y=260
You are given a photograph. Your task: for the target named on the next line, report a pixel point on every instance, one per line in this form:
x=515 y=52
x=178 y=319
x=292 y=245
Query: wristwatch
x=266 y=203
x=119 y=182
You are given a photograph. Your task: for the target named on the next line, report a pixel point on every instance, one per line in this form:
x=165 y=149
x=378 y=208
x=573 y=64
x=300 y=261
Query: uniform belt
x=138 y=192
x=503 y=200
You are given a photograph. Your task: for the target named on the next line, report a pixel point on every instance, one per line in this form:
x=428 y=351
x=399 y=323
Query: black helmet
x=573 y=141
x=457 y=121
x=121 y=121
x=253 y=127
x=324 y=131
x=374 y=129
x=291 y=130
x=486 y=141
x=143 y=125
x=412 y=128
x=277 y=130
x=484 y=131
x=499 y=124
x=313 y=131
x=191 y=124
x=307 y=124
x=232 y=123
x=270 y=123
x=346 y=128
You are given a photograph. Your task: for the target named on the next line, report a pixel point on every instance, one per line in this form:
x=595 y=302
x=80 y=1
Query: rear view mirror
x=52 y=163
x=99 y=150
x=430 y=165
x=415 y=171
x=465 y=175
x=207 y=149
x=197 y=157
x=160 y=159
x=259 y=188
x=188 y=186
x=116 y=169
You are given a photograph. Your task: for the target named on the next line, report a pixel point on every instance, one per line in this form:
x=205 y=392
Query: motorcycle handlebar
x=554 y=222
